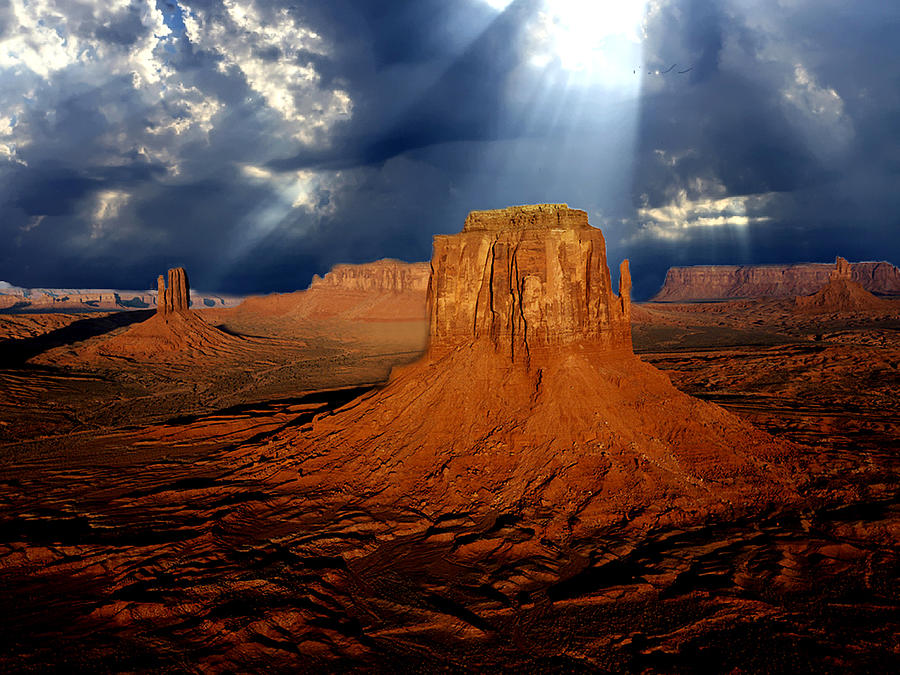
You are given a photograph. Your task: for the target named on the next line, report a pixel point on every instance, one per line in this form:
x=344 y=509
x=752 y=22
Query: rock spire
x=841 y=269
x=175 y=298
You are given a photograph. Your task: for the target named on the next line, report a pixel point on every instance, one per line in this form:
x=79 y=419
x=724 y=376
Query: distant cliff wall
x=717 y=282
x=391 y=276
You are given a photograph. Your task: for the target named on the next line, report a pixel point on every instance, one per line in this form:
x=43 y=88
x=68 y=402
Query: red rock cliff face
x=175 y=298
x=527 y=279
x=392 y=276
x=716 y=282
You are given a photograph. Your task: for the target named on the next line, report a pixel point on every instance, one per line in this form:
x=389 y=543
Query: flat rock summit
x=530 y=398
x=719 y=282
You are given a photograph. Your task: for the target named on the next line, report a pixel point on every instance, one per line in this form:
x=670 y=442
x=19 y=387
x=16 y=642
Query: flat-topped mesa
x=718 y=282
x=175 y=298
x=527 y=280
x=533 y=216
x=388 y=275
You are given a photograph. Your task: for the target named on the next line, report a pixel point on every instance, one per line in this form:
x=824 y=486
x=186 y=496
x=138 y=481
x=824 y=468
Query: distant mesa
x=530 y=398
x=720 y=282
x=386 y=276
x=32 y=300
x=384 y=290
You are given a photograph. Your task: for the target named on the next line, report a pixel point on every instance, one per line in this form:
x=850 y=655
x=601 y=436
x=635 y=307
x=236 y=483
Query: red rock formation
x=531 y=399
x=161 y=299
x=382 y=276
x=384 y=290
x=174 y=333
x=841 y=294
x=717 y=282
x=841 y=270
x=541 y=282
x=175 y=298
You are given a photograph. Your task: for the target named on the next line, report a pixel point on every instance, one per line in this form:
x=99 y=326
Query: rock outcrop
x=175 y=297
x=530 y=399
x=842 y=270
x=841 y=294
x=719 y=282
x=539 y=283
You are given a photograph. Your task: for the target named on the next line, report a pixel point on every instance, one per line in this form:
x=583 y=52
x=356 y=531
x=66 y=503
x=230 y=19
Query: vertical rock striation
x=175 y=298
x=527 y=279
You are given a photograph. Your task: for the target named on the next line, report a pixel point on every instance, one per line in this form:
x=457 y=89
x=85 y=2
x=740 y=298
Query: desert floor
x=132 y=538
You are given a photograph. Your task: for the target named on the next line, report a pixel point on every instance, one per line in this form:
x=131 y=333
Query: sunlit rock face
x=527 y=279
x=175 y=298
x=841 y=270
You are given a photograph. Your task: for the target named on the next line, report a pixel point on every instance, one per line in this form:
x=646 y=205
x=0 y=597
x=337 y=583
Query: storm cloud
x=258 y=143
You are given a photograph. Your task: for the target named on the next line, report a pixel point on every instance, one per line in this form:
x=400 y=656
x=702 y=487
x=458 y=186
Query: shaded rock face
x=717 y=282
x=392 y=276
x=527 y=280
x=175 y=297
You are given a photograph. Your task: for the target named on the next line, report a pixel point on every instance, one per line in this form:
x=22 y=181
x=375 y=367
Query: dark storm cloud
x=423 y=72
x=260 y=142
x=790 y=102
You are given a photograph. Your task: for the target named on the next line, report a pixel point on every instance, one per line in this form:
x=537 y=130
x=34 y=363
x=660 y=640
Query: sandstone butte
x=841 y=294
x=718 y=282
x=531 y=400
x=173 y=333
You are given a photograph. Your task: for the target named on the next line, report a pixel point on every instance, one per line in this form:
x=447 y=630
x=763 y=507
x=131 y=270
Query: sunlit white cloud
x=311 y=191
x=683 y=215
x=822 y=111
x=107 y=209
x=273 y=51
x=188 y=109
x=49 y=38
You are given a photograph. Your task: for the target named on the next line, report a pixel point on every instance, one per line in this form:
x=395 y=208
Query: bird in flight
x=668 y=70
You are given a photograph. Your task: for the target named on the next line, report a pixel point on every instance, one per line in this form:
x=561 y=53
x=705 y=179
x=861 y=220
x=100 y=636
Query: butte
x=173 y=333
x=530 y=400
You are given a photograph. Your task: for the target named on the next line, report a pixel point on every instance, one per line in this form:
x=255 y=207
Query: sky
x=259 y=142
